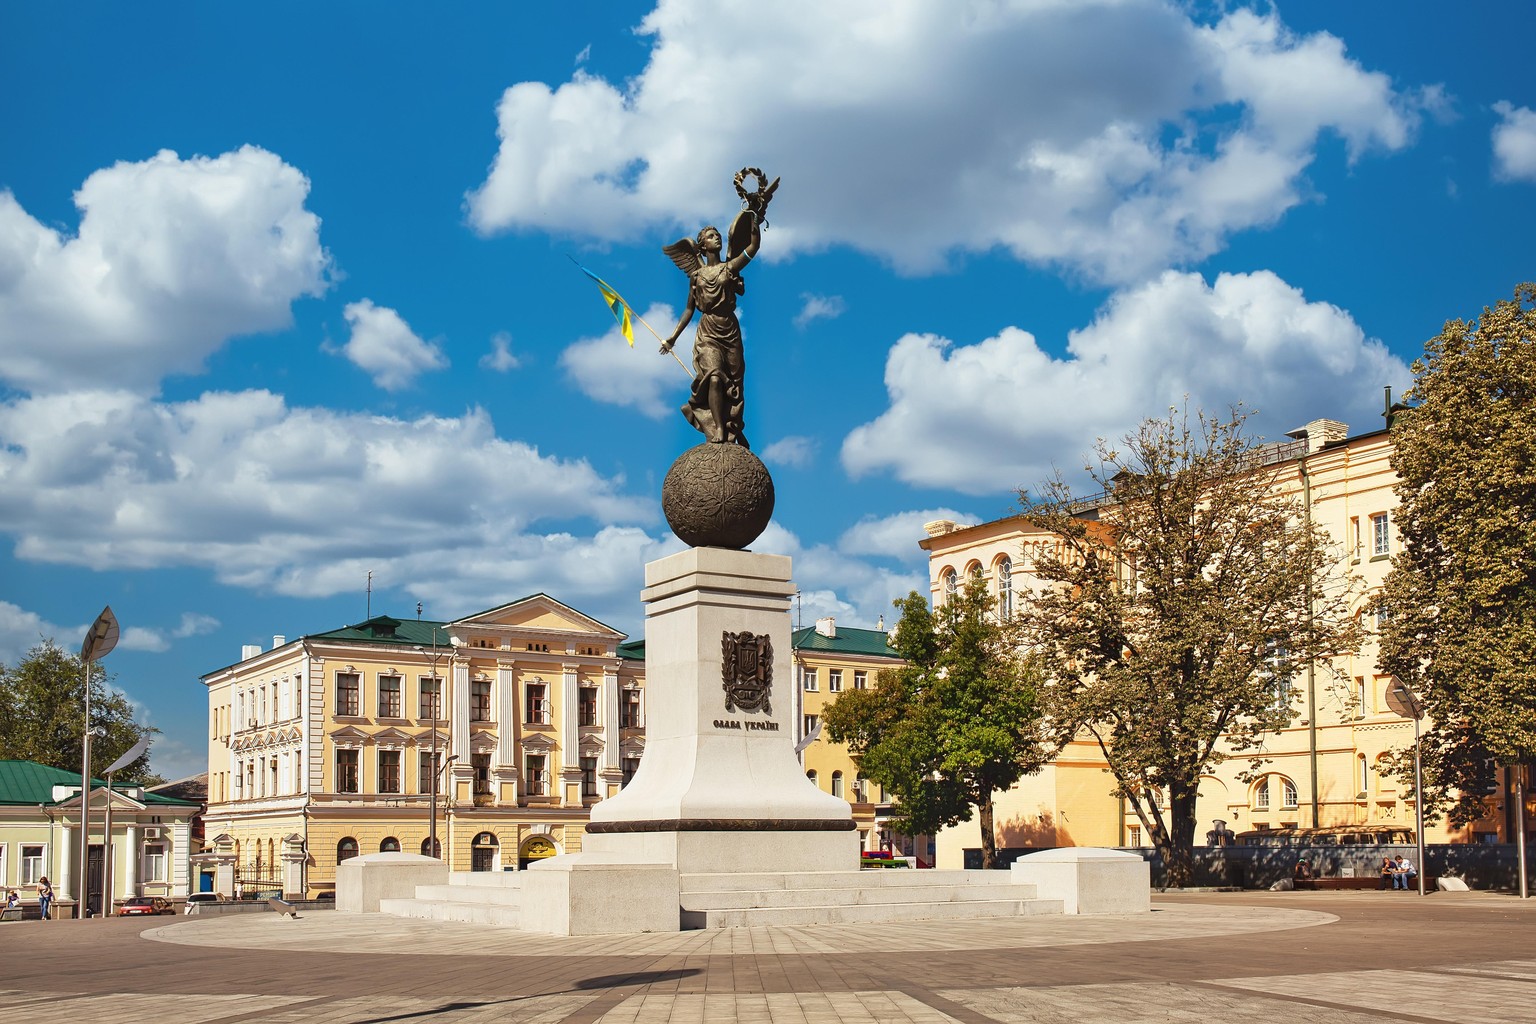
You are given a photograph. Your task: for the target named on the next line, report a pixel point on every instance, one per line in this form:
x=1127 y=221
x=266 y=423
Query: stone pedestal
x=1088 y=880
x=362 y=881
x=720 y=788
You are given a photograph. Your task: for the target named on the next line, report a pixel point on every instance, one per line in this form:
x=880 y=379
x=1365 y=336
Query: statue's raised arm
x=715 y=404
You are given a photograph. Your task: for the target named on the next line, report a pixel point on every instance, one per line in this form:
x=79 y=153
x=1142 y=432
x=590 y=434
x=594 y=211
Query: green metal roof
x=27 y=782
x=382 y=629
x=866 y=642
x=634 y=650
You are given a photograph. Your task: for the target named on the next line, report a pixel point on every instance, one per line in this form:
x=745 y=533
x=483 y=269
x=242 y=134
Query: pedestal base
x=589 y=893
x=698 y=851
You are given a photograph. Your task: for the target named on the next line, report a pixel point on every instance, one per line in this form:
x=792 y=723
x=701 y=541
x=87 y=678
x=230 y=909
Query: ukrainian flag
x=616 y=305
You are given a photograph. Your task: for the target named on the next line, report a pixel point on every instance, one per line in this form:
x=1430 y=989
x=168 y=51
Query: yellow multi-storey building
x=516 y=719
x=1326 y=769
x=828 y=660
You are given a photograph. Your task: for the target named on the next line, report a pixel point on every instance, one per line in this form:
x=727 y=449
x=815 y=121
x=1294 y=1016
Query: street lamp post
x=1418 y=779
x=437 y=695
x=98 y=643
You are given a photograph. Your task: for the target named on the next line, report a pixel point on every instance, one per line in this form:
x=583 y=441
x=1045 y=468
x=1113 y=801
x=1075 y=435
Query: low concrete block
x=1450 y=883
x=362 y=881
x=588 y=894
x=1088 y=880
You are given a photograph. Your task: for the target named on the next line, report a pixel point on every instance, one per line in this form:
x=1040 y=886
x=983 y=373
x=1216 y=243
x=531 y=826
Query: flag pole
x=608 y=291
x=668 y=348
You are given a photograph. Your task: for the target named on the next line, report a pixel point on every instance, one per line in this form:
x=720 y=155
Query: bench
x=1367 y=882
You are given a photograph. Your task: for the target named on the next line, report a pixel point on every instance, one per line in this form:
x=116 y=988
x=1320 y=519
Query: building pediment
x=539 y=613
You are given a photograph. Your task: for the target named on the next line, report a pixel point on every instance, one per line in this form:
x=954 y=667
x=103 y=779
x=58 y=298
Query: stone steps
x=854 y=897
x=477 y=897
x=866 y=913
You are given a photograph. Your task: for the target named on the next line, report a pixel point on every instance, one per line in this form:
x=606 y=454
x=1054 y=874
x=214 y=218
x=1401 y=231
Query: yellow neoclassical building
x=830 y=659
x=1326 y=769
x=329 y=746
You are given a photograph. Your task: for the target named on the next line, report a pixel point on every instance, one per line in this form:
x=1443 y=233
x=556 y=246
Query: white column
x=131 y=868
x=460 y=718
x=610 y=719
x=64 y=856
x=569 y=755
x=506 y=716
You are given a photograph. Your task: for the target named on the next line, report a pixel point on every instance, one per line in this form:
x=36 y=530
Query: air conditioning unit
x=152 y=832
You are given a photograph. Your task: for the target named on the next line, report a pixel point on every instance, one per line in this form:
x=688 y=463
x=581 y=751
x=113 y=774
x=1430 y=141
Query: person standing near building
x=44 y=896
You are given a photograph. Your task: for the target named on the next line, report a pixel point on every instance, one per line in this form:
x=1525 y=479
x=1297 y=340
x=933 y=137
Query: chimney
x=249 y=651
x=278 y=640
x=827 y=627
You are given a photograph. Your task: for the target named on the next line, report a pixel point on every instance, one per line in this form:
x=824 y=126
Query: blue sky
x=285 y=296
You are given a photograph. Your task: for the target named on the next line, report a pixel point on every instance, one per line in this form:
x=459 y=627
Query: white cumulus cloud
x=1109 y=138
x=500 y=358
x=383 y=345
x=795 y=451
x=896 y=535
x=281 y=499
x=171 y=258
x=1514 y=143
x=606 y=369
x=996 y=415
x=819 y=307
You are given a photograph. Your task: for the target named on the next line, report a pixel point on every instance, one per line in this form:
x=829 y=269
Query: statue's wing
x=685 y=253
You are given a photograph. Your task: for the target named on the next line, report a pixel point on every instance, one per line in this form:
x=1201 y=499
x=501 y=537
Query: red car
x=136 y=905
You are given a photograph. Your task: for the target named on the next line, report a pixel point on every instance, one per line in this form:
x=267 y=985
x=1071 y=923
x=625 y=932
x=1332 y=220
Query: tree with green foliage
x=42 y=715
x=1178 y=608
x=1460 y=627
x=959 y=721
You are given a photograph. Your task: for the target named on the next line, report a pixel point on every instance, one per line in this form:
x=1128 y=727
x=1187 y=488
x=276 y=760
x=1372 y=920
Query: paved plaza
x=1347 y=958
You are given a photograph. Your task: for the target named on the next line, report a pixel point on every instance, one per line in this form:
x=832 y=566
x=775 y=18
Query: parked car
x=203 y=897
x=136 y=906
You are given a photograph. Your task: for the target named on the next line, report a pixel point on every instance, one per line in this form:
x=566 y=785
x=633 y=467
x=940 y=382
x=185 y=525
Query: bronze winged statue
x=715 y=404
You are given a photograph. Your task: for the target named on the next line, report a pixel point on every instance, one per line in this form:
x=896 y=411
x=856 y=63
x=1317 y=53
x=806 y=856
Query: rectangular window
x=348 y=692
x=588 y=777
x=629 y=709
x=860 y=680
x=834 y=680
x=482 y=763
x=389 y=696
x=389 y=771
x=431 y=704
x=809 y=723
x=535 y=782
x=480 y=700
x=1360 y=696
x=1133 y=835
x=586 y=706
x=808 y=680
x=31 y=864
x=536 y=700
x=427 y=764
x=154 y=862
x=346 y=772
x=629 y=766
x=1354 y=537
x=1381 y=535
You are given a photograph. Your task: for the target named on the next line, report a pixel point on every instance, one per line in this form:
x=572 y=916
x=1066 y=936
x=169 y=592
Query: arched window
x=1005 y=588
x=837 y=783
x=429 y=850
x=483 y=852
x=812 y=776
x=1288 y=795
x=389 y=845
x=1363 y=769
x=1261 y=794
x=949 y=582
x=346 y=849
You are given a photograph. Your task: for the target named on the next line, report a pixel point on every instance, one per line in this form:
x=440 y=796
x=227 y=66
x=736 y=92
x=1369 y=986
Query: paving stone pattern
x=1236 y=958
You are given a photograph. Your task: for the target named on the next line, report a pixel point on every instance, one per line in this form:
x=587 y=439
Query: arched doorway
x=536 y=849
x=483 y=852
